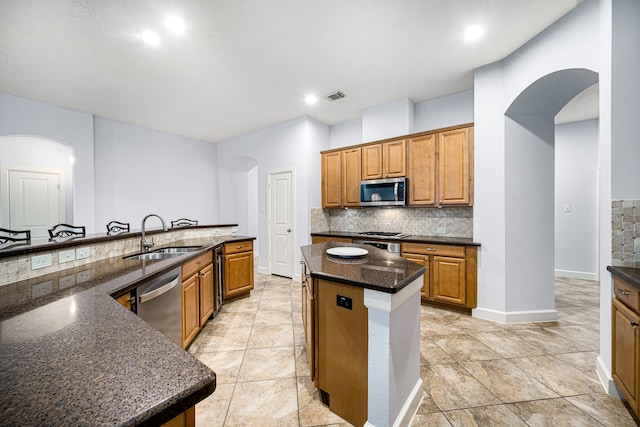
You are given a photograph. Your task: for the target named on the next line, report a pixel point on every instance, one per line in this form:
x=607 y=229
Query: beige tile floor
x=475 y=372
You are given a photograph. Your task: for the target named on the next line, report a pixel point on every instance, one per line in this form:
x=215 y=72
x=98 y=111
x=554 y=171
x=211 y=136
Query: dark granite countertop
x=629 y=274
x=378 y=270
x=412 y=238
x=71 y=355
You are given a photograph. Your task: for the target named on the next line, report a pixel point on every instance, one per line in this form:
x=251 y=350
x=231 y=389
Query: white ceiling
x=244 y=65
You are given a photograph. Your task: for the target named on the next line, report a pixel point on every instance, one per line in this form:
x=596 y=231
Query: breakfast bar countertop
x=379 y=270
x=70 y=354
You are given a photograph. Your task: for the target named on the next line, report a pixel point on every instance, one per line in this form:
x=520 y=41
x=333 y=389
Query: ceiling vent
x=334 y=96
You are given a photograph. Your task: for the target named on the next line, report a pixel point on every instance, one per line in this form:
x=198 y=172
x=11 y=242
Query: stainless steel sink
x=177 y=249
x=153 y=255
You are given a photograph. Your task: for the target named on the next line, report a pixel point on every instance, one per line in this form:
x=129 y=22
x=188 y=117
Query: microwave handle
x=395 y=191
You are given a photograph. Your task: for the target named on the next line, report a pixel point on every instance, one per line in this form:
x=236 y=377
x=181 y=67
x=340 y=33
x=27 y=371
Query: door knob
x=288 y=230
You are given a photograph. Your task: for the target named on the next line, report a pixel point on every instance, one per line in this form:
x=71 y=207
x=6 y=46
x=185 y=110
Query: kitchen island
x=70 y=354
x=362 y=328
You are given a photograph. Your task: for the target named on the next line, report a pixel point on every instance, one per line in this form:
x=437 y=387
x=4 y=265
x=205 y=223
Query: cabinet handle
x=431 y=249
x=200 y=262
x=632 y=323
x=623 y=292
x=239 y=247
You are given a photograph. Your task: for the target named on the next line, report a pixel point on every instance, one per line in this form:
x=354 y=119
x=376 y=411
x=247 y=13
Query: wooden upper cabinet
x=385 y=160
x=421 y=170
x=351 y=173
x=331 y=180
x=372 y=162
x=455 y=158
x=394 y=158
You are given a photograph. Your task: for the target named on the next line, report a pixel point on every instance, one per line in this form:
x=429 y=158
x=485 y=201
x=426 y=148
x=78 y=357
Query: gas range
x=383 y=234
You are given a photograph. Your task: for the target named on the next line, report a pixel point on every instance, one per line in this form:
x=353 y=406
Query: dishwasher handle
x=156 y=292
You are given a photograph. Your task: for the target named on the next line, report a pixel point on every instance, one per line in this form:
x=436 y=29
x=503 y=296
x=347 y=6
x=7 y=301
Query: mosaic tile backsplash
x=625 y=233
x=447 y=222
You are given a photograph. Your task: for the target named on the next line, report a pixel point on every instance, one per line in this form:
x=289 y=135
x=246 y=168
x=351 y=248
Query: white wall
x=346 y=134
x=444 y=112
x=388 y=120
x=294 y=144
x=576 y=158
x=141 y=171
x=20 y=116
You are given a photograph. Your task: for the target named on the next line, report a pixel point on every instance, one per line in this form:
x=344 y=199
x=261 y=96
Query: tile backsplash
x=625 y=233
x=449 y=222
x=18 y=268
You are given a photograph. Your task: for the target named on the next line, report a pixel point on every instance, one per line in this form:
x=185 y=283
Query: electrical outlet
x=66 y=256
x=216 y=231
x=567 y=208
x=82 y=253
x=441 y=230
x=40 y=261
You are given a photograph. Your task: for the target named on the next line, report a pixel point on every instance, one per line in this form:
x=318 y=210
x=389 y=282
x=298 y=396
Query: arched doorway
x=529 y=188
x=36 y=182
x=239 y=194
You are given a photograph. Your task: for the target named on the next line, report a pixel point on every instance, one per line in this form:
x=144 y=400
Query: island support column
x=395 y=386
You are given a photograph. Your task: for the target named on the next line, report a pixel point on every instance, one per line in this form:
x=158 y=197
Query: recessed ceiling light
x=174 y=24
x=473 y=33
x=311 y=99
x=151 y=38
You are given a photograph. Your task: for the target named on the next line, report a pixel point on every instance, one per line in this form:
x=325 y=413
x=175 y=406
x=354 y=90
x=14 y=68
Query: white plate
x=347 y=252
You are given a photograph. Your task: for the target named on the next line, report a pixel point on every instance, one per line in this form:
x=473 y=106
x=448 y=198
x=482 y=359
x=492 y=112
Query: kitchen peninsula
x=70 y=354
x=361 y=317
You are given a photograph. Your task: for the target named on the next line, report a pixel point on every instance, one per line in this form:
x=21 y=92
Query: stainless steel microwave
x=384 y=192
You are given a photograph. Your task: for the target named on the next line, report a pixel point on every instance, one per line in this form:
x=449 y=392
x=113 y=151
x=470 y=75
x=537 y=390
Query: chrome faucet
x=144 y=245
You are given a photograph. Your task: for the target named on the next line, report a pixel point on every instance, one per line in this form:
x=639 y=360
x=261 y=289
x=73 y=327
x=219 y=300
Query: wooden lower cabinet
x=185 y=419
x=206 y=293
x=451 y=273
x=238 y=269
x=322 y=239
x=424 y=261
x=197 y=296
x=342 y=350
x=190 y=310
x=625 y=338
x=308 y=321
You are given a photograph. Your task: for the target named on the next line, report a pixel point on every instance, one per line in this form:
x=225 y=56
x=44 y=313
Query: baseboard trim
x=605 y=378
x=533 y=316
x=409 y=409
x=575 y=274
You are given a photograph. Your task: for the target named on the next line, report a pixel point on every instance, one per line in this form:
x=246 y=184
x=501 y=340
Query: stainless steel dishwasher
x=159 y=303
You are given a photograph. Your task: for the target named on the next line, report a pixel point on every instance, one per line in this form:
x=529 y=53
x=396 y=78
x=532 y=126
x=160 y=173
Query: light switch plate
x=82 y=253
x=66 y=256
x=40 y=261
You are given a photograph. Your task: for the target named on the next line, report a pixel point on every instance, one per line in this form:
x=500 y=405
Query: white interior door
x=35 y=201
x=281 y=223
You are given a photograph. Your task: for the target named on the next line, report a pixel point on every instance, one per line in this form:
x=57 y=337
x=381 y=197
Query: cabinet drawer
x=232 y=248
x=626 y=293
x=441 y=250
x=195 y=265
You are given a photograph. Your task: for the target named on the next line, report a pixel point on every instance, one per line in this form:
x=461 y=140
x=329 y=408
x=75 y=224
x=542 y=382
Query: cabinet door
x=625 y=349
x=351 y=176
x=308 y=322
x=190 y=310
x=448 y=281
x=424 y=261
x=394 y=157
x=205 y=280
x=238 y=274
x=372 y=162
x=455 y=165
x=421 y=171
x=331 y=180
